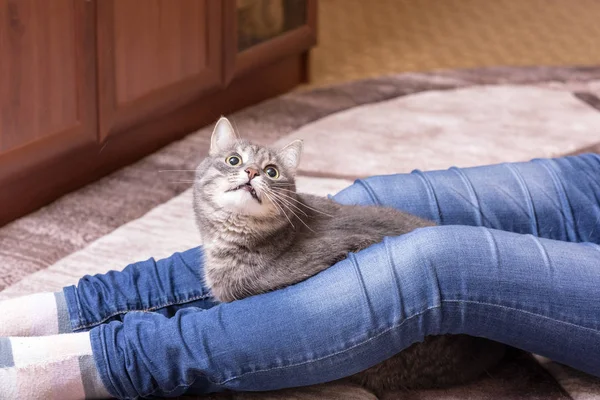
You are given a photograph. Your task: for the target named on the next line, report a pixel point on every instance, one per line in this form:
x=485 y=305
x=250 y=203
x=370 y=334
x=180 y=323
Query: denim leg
x=552 y=198
x=161 y=286
x=536 y=294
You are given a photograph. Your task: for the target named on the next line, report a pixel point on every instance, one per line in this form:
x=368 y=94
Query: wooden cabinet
x=153 y=59
x=88 y=86
x=47 y=91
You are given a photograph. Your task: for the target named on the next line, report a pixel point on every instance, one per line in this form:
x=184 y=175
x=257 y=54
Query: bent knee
x=436 y=245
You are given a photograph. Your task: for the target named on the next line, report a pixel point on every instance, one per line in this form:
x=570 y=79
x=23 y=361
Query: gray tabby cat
x=260 y=235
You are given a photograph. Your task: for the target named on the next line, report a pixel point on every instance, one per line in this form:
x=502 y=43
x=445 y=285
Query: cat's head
x=244 y=178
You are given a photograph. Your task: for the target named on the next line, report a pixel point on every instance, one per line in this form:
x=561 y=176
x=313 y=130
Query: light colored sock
x=34 y=315
x=56 y=367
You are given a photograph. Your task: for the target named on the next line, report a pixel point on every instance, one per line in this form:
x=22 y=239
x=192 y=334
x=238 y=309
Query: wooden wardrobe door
x=47 y=91
x=155 y=56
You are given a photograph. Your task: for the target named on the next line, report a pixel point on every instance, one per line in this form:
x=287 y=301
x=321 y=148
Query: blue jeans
x=516 y=260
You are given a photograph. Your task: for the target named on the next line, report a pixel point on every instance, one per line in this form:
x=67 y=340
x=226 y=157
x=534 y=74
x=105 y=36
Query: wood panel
x=47 y=81
x=155 y=58
x=88 y=86
x=22 y=194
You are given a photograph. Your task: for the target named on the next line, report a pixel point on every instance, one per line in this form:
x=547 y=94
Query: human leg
x=536 y=294
x=62 y=366
x=552 y=198
x=34 y=315
x=49 y=367
x=161 y=286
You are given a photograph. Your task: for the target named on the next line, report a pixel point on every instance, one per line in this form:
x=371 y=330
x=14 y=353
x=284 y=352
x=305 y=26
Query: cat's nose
x=252 y=172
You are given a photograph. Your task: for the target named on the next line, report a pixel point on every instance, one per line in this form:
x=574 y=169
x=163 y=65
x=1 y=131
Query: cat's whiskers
x=305 y=205
x=283 y=204
x=289 y=203
x=280 y=207
x=280 y=186
x=283 y=199
x=292 y=211
x=298 y=201
x=274 y=202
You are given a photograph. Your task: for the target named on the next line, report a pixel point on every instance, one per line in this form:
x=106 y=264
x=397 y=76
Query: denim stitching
x=105 y=356
x=79 y=314
x=333 y=354
x=200 y=297
x=366 y=341
x=400 y=324
x=297 y=364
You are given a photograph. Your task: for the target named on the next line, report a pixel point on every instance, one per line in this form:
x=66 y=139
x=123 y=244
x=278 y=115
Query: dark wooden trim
x=292 y=42
x=311 y=17
x=107 y=98
x=40 y=183
x=86 y=61
x=230 y=50
x=296 y=41
x=306 y=63
x=117 y=117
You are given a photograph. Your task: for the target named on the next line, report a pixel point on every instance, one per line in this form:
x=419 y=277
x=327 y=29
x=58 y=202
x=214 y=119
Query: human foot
x=34 y=315
x=49 y=367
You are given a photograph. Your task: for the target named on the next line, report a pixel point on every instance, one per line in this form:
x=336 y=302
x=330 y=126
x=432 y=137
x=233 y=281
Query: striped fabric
x=57 y=367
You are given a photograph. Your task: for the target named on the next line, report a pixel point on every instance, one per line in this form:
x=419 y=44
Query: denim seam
x=400 y=324
x=79 y=311
x=291 y=365
x=201 y=297
x=522 y=311
x=364 y=342
x=73 y=291
x=106 y=376
x=336 y=353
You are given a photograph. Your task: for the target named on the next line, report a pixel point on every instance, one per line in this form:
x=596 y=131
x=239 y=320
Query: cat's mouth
x=247 y=187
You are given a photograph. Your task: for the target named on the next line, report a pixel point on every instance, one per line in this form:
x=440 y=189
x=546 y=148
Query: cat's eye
x=272 y=172
x=233 y=160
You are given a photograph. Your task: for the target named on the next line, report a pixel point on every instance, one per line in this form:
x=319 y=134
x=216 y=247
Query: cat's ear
x=290 y=154
x=223 y=136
